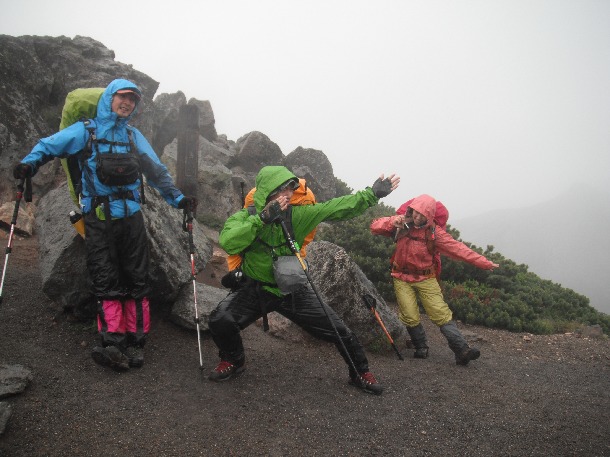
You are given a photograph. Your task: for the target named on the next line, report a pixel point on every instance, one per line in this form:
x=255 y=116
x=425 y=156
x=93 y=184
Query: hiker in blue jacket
x=114 y=155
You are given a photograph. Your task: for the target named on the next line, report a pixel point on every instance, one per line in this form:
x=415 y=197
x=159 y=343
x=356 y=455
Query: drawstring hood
x=425 y=205
x=106 y=119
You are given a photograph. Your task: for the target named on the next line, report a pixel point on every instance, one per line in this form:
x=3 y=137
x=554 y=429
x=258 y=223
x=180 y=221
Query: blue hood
x=105 y=118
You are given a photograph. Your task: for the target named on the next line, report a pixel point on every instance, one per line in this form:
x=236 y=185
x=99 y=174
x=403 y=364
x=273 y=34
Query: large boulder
x=256 y=150
x=207 y=127
x=165 y=119
x=342 y=284
x=63 y=258
x=314 y=166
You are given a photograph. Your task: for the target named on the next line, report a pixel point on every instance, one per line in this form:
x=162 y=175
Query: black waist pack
x=117 y=169
x=289 y=274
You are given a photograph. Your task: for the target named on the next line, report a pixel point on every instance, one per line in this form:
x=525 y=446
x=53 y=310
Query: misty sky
x=483 y=104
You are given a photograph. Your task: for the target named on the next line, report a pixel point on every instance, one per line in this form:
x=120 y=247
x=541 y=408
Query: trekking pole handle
x=369 y=301
x=17 y=201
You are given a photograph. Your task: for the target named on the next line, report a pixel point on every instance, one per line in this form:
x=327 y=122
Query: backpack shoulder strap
x=431 y=238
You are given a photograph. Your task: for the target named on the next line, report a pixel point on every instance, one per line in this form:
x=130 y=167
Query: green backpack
x=80 y=104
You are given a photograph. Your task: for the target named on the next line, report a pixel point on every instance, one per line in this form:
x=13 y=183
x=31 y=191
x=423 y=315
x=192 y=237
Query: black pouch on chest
x=117 y=169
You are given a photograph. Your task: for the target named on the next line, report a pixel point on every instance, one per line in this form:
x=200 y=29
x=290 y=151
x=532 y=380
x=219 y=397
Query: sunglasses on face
x=291 y=184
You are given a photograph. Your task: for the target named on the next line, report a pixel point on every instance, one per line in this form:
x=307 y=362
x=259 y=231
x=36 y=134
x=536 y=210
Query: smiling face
x=419 y=219
x=124 y=104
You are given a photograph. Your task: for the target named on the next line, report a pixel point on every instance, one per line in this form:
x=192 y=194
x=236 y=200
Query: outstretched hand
x=382 y=187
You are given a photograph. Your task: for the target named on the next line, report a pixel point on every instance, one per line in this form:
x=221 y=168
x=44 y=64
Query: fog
x=484 y=105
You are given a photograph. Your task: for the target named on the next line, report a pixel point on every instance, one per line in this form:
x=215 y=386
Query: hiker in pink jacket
x=418 y=238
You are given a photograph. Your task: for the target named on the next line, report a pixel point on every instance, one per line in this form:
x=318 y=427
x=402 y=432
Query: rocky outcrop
x=37 y=73
x=314 y=166
x=255 y=150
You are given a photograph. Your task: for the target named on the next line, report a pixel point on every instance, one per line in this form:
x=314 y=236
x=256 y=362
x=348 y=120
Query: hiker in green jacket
x=260 y=238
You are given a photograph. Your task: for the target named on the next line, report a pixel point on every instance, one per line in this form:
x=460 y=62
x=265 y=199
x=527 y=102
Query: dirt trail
x=545 y=397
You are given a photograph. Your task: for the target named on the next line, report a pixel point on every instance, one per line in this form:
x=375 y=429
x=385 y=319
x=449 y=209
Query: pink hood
x=425 y=205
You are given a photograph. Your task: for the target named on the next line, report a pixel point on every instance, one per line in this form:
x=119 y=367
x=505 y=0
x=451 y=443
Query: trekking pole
x=9 y=247
x=371 y=303
x=187 y=226
x=296 y=251
x=243 y=195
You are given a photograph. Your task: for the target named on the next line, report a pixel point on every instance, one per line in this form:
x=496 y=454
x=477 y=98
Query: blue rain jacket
x=111 y=127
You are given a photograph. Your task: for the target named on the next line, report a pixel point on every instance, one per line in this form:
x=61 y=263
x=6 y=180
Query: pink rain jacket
x=411 y=257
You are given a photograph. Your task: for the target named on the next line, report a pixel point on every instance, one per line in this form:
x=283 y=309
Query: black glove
x=22 y=171
x=382 y=188
x=271 y=213
x=188 y=202
x=233 y=279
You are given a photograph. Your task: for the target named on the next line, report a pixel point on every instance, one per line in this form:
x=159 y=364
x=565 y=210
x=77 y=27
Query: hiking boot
x=420 y=353
x=417 y=341
x=466 y=356
x=110 y=356
x=224 y=371
x=367 y=382
x=135 y=354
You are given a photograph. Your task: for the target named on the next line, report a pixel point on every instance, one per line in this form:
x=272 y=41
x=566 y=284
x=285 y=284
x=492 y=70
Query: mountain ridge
x=556 y=239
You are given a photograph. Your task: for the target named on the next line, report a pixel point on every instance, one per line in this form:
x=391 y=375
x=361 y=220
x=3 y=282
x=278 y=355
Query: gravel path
x=526 y=395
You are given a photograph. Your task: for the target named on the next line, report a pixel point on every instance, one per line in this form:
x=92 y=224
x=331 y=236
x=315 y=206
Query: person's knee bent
x=441 y=315
x=221 y=321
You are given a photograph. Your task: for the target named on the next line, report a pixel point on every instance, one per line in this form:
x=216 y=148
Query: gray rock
x=342 y=286
x=215 y=189
x=25 y=218
x=314 y=166
x=207 y=122
x=165 y=119
x=5 y=414
x=183 y=311
x=256 y=150
x=13 y=379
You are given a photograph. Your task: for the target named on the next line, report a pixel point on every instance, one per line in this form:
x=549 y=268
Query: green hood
x=267 y=180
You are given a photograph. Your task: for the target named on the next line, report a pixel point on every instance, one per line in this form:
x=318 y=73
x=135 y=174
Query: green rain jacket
x=242 y=232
